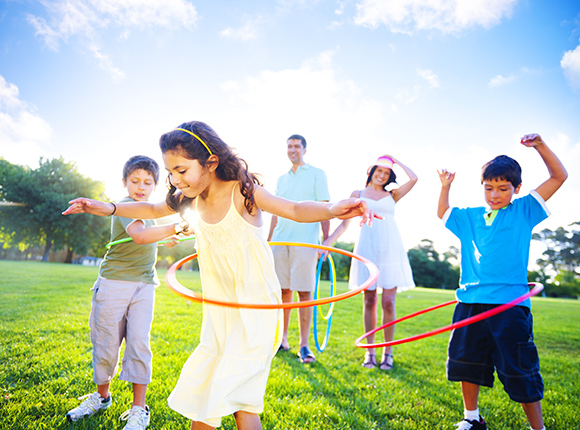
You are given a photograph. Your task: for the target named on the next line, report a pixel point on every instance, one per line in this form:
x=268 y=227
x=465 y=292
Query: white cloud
x=246 y=32
x=23 y=134
x=447 y=16
x=333 y=115
x=86 y=19
x=500 y=80
x=429 y=76
x=571 y=64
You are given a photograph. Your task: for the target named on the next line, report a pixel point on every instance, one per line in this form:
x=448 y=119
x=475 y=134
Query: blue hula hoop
x=328 y=316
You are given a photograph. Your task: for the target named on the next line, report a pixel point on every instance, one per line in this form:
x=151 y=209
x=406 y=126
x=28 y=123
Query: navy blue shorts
x=504 y=342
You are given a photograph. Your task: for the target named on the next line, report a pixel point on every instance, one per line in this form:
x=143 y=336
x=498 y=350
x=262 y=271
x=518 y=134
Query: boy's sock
x=471 y=415
x=543 y=428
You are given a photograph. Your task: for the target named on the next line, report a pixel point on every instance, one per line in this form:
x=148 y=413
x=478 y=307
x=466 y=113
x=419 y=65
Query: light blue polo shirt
x=308 y=183
x=494 y=258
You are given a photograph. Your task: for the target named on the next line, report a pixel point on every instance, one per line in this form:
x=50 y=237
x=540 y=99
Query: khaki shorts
x=296 y=267
x=122 y=310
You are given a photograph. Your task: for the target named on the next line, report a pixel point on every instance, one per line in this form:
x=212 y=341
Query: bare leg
x=139 y=392
x=286 y=298
x=389 y=314
x=370 y=315
x=305 y=319
x=103 y=390
x=198 y=425
x=470 y=394
x=247 y=421
x=534 y=414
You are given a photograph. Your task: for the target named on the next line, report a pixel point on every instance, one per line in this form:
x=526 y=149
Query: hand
x=172 y=241
x=349 y=208
x=446 y=177
x=88 y=206
x=531 y=140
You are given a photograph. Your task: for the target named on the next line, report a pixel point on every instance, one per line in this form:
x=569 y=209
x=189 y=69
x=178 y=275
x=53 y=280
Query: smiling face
x=499 y=192
x=296 y=152
x=380 y=176
x=140 y=184
x=188 y=176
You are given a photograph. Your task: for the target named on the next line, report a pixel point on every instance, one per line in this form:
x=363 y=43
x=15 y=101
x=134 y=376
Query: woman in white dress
x=381 y=243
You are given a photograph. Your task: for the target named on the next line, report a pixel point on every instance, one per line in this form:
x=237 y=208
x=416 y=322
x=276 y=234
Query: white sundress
x=382 y=244
x=229 y=369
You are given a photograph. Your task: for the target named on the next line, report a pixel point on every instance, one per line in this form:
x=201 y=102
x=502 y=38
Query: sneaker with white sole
x=466 y=424
x=137 y=418
x=92 y=404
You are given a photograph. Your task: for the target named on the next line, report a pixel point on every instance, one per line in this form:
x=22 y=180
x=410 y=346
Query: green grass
x=45 y=362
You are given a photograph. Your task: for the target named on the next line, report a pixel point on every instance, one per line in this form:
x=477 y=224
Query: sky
x=434 y=83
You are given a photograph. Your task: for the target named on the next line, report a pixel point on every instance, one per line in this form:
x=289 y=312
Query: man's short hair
x=502 y=167
x=298 y=137
x=141 y=162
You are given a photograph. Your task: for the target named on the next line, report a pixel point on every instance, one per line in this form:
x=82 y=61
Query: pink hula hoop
x=489 y=313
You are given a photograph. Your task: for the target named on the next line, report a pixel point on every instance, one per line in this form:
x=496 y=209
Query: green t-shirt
x=128 y=261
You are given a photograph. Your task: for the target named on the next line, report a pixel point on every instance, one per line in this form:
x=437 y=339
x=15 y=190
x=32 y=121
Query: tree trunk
x=47 y=250
x=69 y=256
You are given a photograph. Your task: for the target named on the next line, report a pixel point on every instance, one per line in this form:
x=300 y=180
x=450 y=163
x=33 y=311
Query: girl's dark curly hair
x=230 y=168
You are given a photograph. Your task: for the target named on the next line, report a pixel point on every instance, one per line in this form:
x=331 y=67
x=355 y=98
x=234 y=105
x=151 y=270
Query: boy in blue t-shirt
x=495 y=244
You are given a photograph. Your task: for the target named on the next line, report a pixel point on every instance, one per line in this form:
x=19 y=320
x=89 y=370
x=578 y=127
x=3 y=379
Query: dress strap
x=233 y=191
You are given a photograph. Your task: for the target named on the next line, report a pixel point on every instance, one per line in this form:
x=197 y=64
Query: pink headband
x=384 y=161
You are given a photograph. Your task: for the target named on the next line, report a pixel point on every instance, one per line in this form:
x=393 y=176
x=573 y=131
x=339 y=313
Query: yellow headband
x=197 y=137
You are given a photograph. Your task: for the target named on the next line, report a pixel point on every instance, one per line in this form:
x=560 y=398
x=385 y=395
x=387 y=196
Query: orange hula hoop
x=186 y=293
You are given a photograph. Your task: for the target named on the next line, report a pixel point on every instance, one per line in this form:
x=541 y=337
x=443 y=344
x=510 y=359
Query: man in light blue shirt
x=296 y=266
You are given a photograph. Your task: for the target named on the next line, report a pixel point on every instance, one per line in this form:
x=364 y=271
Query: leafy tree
x=563 y=251
x=431 y=270
x=45 y=193
x=561 y=259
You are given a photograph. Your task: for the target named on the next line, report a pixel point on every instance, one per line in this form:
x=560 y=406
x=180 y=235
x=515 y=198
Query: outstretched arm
x=399 y=193
x=446 y=179
x=309 y=211
x=556 y=169
x=339 y=231
x=142 y=235
x=137 y=210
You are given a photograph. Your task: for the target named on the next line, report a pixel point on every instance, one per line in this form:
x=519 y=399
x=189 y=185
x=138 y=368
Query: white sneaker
x=137 y=418
x=92 y=404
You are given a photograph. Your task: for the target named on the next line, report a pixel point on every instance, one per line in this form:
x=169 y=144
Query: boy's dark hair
x=298 y=137
x=502 y=167
x=141 y=162
x=392 y=177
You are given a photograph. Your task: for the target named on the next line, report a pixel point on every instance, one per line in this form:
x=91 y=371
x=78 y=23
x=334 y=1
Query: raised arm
x=446 y=179
x=399 y=192
x=137 y=210
x=556 y=169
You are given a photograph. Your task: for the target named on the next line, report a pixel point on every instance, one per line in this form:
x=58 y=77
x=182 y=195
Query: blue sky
x=437 y=84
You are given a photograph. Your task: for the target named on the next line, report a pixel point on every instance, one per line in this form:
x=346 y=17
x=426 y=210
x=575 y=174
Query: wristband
x=114 y=209
x=180 y=227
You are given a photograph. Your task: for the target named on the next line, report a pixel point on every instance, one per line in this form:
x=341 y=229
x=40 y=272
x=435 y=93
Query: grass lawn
x=45 y=362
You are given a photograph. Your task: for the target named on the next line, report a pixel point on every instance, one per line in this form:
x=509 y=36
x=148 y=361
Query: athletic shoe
x=137 y=418
x=466 y=424
x=92 y=404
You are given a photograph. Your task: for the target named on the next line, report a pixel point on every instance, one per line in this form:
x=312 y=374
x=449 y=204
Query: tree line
x=31 y=201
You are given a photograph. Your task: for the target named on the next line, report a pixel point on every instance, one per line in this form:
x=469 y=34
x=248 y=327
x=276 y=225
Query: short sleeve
x=321 y=186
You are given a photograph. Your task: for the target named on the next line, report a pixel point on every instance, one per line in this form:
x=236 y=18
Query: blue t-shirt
x=494 y=258
x=308 y=183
